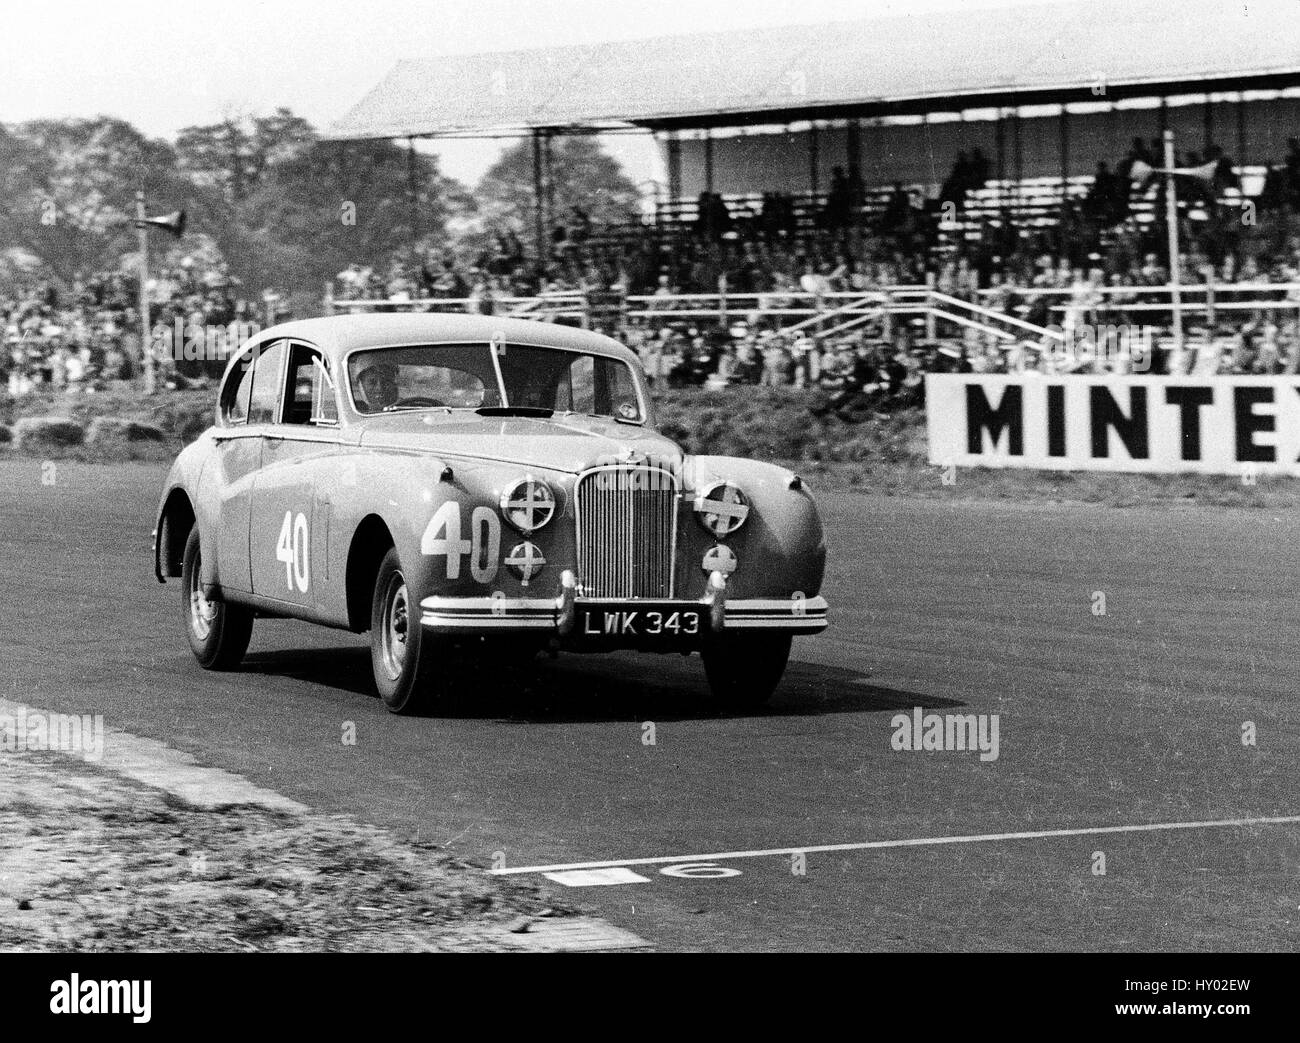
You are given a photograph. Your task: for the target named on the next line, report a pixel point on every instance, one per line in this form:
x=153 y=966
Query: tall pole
x=413 y=191
x=1175 y=266
x=539 y=220
x=146 y=345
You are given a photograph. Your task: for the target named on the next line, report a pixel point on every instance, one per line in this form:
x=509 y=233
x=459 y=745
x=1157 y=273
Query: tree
x=236 y=154
x=71 y=188
x=582 y=175
x=335 y=204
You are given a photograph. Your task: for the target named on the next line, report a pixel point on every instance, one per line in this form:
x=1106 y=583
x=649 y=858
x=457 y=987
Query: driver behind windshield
x=378 y=386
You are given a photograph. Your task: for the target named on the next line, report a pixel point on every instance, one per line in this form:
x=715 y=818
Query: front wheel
x=401 y=653
x=744 y=669
x=219 y=631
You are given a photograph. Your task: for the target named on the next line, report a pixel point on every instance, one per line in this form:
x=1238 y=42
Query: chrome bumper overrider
x=796 y=615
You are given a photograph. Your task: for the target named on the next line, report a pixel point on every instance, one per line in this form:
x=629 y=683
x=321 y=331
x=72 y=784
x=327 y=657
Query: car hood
x=569 y=443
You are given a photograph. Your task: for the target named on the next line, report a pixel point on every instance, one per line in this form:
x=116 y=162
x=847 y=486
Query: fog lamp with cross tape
x=719 y=558
x=721 y=508
x=526 y=560
x=528 y=504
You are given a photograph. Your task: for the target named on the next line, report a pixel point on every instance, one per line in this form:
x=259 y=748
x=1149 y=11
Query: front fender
x=182 y=481
x=781 y=548
x=444 y=519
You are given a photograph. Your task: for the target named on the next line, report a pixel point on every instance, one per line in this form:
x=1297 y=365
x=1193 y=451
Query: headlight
x=528 y=504
x=721 y=508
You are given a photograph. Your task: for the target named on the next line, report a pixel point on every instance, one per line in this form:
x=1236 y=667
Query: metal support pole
x=855 y=177
x=1175 y=264
x=548 y=176
x=814 y=161
x=1018 y=163
x=146 y=337
x=1241 y=130
x=708 y=161
x=1000 y=141
x=539 y=218
x=412 y=188
x=674 y=144
x=1064 y=136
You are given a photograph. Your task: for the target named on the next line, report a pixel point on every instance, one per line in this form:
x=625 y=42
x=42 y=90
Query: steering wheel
x=419 y=400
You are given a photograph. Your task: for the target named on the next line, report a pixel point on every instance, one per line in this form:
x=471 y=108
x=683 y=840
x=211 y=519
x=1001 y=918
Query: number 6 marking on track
x=700 y=871
x=293 y=548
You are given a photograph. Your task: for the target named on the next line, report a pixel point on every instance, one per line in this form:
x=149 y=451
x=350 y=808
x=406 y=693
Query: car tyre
x=219 y=631
x=744 y=669
x=401 y=652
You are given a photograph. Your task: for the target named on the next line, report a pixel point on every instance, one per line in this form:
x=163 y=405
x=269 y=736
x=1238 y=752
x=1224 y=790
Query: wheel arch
x=174 y=524
x=370 y=542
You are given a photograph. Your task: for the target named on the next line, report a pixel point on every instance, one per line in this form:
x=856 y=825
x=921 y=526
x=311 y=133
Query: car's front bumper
x=556 y=615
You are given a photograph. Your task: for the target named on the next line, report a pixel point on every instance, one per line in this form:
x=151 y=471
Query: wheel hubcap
x=396 y=627
x=202 y=611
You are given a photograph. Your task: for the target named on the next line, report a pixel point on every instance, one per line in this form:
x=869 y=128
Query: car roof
x=339 y=334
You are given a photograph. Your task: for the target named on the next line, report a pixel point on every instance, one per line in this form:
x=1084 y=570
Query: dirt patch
x=92 y=862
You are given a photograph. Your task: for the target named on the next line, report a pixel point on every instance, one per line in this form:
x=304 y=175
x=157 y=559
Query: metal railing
x=820 y=316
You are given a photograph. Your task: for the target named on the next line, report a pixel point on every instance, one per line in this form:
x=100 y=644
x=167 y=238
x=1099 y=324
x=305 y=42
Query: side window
x=237 y=391
x=310 y=388
x=582 y=384
x=266 y=385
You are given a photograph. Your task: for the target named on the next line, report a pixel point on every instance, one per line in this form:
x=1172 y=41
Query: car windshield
x=511 y=377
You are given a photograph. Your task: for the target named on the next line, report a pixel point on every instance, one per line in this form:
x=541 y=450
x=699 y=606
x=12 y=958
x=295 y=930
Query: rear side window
x=266 y=385
x=237 y=391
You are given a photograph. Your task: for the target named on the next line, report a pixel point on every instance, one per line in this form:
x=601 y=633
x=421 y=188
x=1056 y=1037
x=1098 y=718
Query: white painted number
x=442 y=536
x=293 y=548
x=485 y=553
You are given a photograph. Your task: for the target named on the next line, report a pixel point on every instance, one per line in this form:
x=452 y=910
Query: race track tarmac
x=1133 y=718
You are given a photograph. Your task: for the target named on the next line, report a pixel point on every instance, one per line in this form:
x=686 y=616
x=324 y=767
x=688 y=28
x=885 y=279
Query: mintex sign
x=1214 y=425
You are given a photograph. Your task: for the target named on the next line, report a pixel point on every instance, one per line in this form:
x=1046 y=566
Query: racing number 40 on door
x=293 y=549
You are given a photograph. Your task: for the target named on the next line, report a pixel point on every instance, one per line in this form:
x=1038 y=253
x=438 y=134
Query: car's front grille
x=627 y=520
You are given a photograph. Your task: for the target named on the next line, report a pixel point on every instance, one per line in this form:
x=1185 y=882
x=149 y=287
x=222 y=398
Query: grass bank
x=883 y=453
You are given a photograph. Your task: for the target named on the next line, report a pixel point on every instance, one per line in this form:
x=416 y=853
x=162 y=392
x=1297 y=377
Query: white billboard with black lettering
x=1211 y=425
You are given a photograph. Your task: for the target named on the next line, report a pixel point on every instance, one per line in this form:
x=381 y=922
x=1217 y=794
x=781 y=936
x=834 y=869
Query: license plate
x=618 y=621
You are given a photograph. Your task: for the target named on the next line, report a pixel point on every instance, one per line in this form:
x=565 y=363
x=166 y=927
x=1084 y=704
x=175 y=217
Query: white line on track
x=871 y=845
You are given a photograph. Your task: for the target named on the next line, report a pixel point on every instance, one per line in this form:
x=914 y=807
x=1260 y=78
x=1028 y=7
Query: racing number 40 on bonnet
x=464 y=486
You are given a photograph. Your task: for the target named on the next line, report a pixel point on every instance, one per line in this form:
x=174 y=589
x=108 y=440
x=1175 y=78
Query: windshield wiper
x=537 y=411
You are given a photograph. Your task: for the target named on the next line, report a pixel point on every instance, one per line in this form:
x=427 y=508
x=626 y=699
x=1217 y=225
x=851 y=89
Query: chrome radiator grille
x=627 y=524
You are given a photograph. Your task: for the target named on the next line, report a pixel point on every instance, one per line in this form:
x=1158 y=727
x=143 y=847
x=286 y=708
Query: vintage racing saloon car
x=474 y=486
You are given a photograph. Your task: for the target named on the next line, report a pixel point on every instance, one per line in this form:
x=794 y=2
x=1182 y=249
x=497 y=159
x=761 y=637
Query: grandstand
x=959 y=149
x=1044 y=92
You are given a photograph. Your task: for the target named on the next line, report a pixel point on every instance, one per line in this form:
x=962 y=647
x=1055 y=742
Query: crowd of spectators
x=1112 y=232
x=1094 y=266
x=85 y=336
x=1097 y=259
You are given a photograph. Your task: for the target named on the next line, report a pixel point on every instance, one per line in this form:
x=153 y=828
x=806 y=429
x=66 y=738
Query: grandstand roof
x=915 y=63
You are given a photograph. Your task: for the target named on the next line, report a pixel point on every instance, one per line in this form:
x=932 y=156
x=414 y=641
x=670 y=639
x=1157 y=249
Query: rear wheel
x=744 y=669
x=401 y=653
x=218 y=631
